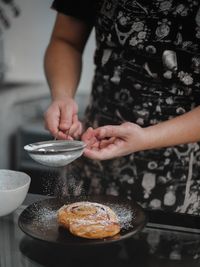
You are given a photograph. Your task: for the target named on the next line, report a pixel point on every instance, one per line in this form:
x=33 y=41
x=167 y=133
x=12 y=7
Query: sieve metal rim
x=33 y=148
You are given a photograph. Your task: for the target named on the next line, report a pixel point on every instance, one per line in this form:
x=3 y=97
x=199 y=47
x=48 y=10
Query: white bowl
x=14 y=186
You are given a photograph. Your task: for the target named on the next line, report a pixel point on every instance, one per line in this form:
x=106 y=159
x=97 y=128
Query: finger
x=78 y=132
x=76 y=135
x=94 y=144
x=75 y=127
x=61 y=135
x=51 y=128
x=78 y=123
x=105 y=142
x=88 y=135
x=109 y=131
x=80 y=128
x=66 y=113
x=75 y=118
x=112 y=150
x=52 y=122
x=69 y=137
x=101 y=154
x=89 y=139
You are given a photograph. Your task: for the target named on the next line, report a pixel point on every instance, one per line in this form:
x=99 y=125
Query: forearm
x=180 y=130
x=62 y=64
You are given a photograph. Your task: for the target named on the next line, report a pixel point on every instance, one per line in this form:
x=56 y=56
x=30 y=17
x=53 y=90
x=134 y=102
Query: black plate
x=39 y=220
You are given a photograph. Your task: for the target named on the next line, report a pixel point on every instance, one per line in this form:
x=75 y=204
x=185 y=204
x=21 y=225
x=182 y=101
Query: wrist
x=149 y=138
x=141 y=138
x=61 y=95
x=156 y=136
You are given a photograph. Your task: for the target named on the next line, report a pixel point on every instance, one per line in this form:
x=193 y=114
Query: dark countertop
x=152 y=247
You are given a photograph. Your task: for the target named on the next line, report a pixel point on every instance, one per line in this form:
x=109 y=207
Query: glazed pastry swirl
x=89 y=220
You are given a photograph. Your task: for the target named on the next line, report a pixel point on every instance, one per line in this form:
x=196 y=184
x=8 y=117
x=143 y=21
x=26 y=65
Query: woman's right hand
x=61 y=119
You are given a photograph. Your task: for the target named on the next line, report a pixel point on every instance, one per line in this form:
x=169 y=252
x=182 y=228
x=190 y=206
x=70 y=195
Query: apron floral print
x=148 y=70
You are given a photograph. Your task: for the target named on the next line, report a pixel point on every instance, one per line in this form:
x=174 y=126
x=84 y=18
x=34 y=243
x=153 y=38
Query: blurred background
x=25 y=29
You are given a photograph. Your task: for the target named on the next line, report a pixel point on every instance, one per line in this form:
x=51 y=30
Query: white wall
x=88 y=65
x=26 y=41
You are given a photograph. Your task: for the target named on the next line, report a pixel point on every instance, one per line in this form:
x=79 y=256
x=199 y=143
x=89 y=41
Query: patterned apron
x=147 y=71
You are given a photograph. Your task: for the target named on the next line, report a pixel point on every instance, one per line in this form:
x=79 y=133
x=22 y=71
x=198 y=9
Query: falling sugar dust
x=64 y=183
x=69 y=185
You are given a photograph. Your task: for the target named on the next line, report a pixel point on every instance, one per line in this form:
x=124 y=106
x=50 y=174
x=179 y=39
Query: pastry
x=88 y=219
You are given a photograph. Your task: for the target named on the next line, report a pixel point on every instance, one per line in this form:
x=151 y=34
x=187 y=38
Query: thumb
x=110 y=131
x=66 y=113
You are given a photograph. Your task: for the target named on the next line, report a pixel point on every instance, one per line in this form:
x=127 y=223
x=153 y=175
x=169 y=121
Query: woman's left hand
x=115 y=141
x=111 y=141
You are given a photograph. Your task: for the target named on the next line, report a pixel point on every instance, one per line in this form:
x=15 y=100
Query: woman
x=148 y=74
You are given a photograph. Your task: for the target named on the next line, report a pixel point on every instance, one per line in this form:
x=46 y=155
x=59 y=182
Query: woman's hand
x=63 y=65
x=61 y=119
x=113 y=141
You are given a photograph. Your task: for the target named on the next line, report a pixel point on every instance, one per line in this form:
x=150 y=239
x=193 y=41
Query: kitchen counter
x=152 y=247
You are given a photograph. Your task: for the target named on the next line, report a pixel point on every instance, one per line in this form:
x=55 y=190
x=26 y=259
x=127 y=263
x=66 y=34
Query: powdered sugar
x=124 y=214
x=68 y=185
x=45 y=218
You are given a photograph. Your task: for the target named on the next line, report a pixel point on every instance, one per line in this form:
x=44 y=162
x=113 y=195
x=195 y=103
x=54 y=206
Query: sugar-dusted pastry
x=88 y=219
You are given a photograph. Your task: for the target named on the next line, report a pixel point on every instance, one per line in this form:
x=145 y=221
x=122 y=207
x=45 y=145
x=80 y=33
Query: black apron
x=147 y=71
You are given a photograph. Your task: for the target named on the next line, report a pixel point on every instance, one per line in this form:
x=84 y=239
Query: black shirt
x=81 y=9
